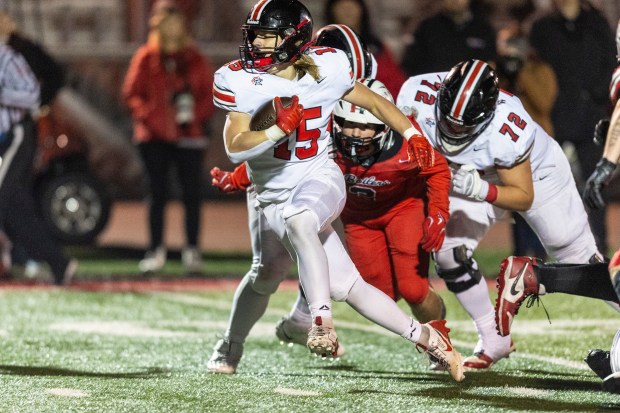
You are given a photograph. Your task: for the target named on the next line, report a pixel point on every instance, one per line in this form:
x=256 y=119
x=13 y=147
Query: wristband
x=492 y=194
x=274 y=133
x=411 y=132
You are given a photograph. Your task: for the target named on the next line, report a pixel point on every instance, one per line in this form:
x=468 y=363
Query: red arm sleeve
x=438 y=180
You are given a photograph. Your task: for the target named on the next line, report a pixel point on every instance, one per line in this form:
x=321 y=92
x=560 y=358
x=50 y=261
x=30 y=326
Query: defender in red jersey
x=393 y=209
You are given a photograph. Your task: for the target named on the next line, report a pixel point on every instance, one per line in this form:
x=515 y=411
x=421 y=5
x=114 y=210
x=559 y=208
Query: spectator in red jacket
x=168 y=90
x=355 y=14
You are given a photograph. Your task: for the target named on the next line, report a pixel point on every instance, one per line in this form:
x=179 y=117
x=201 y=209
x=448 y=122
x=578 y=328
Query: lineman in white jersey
x=300 y=190
x=501 y=160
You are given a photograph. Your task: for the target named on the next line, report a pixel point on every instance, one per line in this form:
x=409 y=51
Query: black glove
x=592 y=194
x=600 y=132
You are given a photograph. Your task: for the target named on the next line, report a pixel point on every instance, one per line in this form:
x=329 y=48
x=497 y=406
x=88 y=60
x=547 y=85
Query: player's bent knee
x=458 y=269
x=341 y=286
x=266 y=278
x=300 y=224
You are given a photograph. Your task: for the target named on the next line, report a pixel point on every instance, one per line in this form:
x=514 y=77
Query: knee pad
x=267 y=276
x=458 y=268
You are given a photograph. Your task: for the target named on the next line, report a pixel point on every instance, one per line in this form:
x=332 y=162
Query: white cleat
x=225 y=358
x=322 y=338
x=290 y=333
x=480 y=360
x=441 y=351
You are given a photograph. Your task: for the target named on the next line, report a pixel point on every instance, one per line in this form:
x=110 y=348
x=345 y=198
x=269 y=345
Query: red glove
x=230 y=182
x=421 y=149
x=288 y=119
x=434 y=232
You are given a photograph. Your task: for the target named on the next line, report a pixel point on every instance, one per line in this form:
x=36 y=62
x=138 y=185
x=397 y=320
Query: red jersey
x=394 y=180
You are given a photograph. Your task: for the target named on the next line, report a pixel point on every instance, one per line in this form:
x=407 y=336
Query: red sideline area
x=176 y=284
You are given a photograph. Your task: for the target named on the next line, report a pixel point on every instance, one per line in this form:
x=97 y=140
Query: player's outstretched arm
x=389 y=114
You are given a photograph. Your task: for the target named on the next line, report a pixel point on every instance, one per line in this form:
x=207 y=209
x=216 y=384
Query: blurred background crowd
x=557 y=55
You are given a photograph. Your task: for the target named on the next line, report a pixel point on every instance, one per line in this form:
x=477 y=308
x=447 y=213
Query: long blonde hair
x=304 y=65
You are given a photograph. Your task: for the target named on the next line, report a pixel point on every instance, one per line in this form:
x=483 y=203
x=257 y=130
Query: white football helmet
x=350 y=146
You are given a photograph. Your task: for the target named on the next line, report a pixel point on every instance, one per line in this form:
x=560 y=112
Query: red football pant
x=387 y=253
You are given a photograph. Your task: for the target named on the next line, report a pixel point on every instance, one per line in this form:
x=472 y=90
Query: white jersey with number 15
x=275 y=172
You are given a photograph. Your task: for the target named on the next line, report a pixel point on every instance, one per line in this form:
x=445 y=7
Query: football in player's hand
x=265 y=116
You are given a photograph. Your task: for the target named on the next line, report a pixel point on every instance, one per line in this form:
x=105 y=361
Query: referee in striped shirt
x=19 y=97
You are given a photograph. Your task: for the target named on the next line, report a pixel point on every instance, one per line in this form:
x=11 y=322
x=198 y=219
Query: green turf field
x=146 y=351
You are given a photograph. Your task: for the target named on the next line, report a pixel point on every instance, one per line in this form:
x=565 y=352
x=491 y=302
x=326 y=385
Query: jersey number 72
x=507 y=130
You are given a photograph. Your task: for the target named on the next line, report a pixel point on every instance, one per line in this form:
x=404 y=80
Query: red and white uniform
x=276 y=172
x=297 y=174
x=557 y=214
x=384 y=215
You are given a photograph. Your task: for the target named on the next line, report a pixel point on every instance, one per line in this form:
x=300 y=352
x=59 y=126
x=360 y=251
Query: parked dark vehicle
x=72 y=200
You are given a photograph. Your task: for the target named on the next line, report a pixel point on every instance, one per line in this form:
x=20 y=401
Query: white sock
x=380 y=309
x=300 y=313
x=476 y=300
x=494 y=345
x=478 y=305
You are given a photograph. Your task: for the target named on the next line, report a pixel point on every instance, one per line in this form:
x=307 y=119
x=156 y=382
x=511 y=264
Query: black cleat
x=598 y=361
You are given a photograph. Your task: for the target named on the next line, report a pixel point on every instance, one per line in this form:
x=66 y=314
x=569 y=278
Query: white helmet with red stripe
x=351 y=146
x=342 y=37
x=466 y=103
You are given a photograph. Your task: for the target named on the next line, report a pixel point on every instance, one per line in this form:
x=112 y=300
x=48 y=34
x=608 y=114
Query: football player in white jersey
x=501 y=161
x=299 y=188
x=271 y=262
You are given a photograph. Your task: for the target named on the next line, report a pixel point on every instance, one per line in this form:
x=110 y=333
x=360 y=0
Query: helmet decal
x=258 y=8
x=342 y=37
x=356 y=48
x=469 y=83
x=465 y=103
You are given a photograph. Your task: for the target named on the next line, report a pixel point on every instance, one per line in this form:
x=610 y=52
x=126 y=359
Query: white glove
x=466 y=181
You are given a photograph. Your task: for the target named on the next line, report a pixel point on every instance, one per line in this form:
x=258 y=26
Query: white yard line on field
x=295 y=392
x=66 y=392
x=559 y=327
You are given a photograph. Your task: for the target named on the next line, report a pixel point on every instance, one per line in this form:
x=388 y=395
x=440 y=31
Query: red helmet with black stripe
x=466 y=103
x=342 y=37
x=289 y=20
